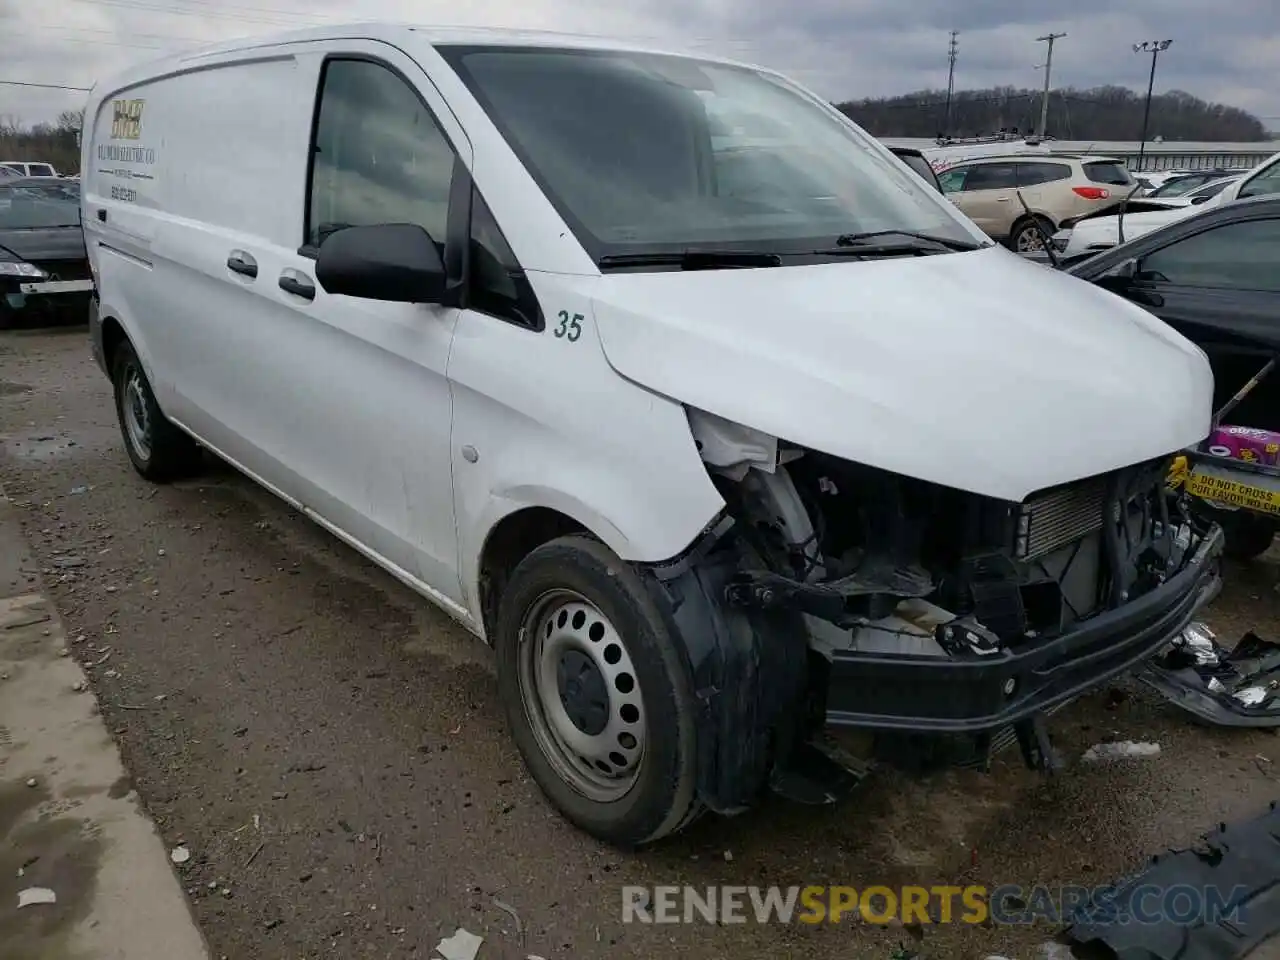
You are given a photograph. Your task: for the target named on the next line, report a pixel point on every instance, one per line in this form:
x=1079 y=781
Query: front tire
x=158 y=450
x=1248 y=535
x=596 y=693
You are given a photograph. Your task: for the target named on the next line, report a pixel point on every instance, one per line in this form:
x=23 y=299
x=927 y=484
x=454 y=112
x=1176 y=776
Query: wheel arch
x=115 y=331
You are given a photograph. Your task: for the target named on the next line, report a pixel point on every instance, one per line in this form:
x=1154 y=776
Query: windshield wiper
x=872 y=244
x=692 y=259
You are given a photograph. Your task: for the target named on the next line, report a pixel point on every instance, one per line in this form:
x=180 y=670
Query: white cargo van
x=721 y=432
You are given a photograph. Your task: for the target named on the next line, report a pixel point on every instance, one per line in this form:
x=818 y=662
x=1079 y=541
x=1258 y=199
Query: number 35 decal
x=570 y=328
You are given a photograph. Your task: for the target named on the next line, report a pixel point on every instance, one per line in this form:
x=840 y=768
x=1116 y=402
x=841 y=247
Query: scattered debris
x=67 y=563
x=272 y=924
x=180 y=855
x=76 y=491
x=463 y=945
x=728 y=856
x=36 y=895
x=1236 y=688
x=515 y=917
x=79 y=686
x=306 y=768
x=256 y=850
x=31 y=782
x=1242 y=858
x=1121 y=750
x=101 y=660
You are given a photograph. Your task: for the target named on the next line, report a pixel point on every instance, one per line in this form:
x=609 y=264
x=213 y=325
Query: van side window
x=378 y=156
x=497 y=284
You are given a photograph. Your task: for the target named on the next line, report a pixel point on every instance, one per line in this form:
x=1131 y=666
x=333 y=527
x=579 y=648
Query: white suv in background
x=26 y=168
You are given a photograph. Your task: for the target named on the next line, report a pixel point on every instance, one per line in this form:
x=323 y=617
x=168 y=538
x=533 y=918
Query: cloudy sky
x=843 y=49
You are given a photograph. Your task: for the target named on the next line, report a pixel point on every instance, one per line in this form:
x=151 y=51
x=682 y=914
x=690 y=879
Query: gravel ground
x=331 y=751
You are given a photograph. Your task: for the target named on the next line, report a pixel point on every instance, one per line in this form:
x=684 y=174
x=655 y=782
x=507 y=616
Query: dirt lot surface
x=331 y=751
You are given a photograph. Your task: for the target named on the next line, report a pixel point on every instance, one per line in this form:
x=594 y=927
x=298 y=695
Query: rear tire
x=1026 y=237
x=158 y=450
x=596 y=693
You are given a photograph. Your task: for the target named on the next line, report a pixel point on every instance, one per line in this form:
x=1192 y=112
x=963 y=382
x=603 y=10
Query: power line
x=43 y=86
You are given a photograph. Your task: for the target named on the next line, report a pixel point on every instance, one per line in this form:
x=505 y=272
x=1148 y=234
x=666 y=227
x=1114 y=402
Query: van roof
x=391 y=31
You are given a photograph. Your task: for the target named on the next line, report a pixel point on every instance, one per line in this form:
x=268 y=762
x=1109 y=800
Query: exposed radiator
x=1055 y=518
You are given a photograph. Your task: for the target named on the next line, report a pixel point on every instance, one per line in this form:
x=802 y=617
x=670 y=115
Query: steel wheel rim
x=137 y=421
x=1029 y=240
x=580 y=692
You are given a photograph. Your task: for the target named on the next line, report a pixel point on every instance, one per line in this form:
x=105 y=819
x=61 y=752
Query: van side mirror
x=1125 y=270
x=397 y=262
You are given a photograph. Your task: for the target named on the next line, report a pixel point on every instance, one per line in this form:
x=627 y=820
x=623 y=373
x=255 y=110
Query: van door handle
x=102 y=215
x=1002 y=199
x=243 y=264
x=297 y=284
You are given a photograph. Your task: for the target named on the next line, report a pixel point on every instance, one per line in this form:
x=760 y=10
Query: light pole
x=1048 y=67
x=1155 y=48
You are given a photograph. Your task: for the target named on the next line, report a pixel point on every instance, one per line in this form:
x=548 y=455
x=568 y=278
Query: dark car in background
x=44 y=270
x=1214 y=277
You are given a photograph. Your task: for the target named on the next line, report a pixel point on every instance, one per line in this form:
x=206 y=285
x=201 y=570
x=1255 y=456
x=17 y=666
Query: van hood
x=973 y=370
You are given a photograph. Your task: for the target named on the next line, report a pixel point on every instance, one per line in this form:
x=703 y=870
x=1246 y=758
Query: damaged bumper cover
x=981 y=692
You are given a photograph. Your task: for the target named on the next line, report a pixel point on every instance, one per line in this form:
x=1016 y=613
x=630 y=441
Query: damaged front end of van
x=833 y=595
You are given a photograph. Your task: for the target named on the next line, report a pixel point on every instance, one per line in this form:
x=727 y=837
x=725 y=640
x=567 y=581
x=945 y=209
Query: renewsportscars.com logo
x=974 y=904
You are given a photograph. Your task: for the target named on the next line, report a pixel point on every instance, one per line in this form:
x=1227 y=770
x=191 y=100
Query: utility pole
x=1155 y=48
x=951 y=80
x=1048 y=68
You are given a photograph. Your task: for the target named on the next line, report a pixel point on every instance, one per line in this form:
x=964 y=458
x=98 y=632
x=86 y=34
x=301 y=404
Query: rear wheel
x=596 y=693
x=158 y=450
x=1027 y=237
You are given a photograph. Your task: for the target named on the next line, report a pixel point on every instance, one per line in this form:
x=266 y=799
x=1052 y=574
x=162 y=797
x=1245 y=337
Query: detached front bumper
x=973 y=694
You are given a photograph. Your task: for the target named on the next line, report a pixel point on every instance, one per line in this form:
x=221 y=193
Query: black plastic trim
x=968 y=694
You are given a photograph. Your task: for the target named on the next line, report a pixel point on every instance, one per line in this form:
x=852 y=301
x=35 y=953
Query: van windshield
x=652 y=154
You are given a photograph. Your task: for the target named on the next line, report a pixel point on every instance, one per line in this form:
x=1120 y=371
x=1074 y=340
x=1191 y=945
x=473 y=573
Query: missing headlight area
x=930 y=610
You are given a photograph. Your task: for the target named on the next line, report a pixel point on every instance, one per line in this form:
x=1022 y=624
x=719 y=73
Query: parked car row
x=1022 y=199
x=44 y=269
x=1084 y=236
x=658 y=401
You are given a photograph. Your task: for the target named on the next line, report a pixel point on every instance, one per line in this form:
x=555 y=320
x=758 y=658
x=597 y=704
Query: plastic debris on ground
x=463 y=945
x=1121 y=750
x=1239 y=863
x=179 y=855
x=35 y=895
x=1236 y=688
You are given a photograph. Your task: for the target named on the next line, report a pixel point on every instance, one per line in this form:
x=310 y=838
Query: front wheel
x=157 y=449
x=596 y=693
